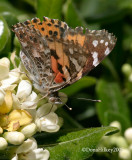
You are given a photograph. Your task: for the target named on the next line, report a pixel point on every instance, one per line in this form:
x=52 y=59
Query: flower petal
x=28 y=145
x=12 y=78
x=45 y=109
x=7 y=105
x=24 y=89
x=39 y=154
x=48 y=123
x=4 y=68
x=16 y=102
x=4 y=120
x=3 y=143
x=13 y=125
x=15 y=157
x=32 y=97
x=2 y=95
x=22 y=116
x=29 y=105
x=1 y=130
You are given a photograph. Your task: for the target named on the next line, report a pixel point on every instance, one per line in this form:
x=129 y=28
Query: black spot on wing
x=53 y=53
x=60 y=68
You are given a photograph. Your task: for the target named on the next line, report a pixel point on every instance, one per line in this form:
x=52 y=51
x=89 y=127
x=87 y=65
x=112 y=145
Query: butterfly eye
x=52 y=99
x=55 y=100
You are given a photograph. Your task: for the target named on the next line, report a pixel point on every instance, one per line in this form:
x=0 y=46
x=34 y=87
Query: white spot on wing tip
x=106 y=43
x=95 y=57
x=101 y=41
x=107 y=51
x=95 y=43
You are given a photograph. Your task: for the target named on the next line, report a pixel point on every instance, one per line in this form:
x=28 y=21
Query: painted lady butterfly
x=56 y=55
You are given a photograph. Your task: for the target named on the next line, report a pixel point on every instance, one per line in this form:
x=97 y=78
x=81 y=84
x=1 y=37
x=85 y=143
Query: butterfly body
x=56 y=55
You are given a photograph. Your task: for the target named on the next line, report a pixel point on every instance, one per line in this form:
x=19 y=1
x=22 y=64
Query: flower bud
x=115 y=124
x=127 y=69
x=130 y=77
x=3 y=143
x=118 y=141
x=29 y=130
x=14 y=137
x=125 y=154
x=24 y=89
x=4 y=68
x=128 y=135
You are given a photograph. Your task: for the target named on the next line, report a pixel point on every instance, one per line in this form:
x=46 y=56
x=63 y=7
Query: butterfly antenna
x=86 y=99
x=66 y=105
x=93 y=100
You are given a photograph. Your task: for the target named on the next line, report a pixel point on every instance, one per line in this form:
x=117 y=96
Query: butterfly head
x=54 y=98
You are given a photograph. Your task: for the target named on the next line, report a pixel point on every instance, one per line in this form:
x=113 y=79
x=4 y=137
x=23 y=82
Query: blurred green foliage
x=106 y=82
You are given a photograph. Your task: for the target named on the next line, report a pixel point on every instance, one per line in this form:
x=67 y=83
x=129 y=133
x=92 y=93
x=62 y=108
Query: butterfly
x=56 y=55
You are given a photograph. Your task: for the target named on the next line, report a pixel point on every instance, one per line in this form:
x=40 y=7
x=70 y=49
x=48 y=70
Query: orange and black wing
x=60 y=55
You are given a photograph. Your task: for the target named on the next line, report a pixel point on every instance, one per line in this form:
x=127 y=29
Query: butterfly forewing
x=60 y=55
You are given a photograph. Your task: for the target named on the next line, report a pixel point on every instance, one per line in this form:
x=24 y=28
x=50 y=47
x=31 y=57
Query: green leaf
x=4 y=34
x=33 y=3
x=5 y=6
x=112 y=116
x=97 y=10
x=74 y=145
x=50 y=8
x=81 y=84
x=112 y=100
x=10 y=18
x=72 y=16
x=107 y=63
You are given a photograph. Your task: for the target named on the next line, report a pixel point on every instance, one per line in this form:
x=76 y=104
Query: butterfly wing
x=88 y=50
x=56 y=55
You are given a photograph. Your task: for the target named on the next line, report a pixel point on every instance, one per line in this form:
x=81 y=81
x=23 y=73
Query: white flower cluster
x=123 y=143
x=29 y=150
x=20 y=114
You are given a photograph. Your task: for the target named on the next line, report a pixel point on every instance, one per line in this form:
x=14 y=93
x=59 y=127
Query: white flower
x=128 y=135
x=29 y=150
x=48 y=123
x=10 y=82
x=14 y=137
x=125 y=154
x=4 y=68
x=24 y=89
x=3 y=143
x=29 y=130
x=30 y=101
